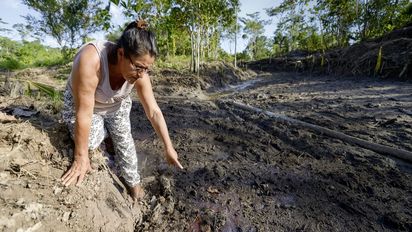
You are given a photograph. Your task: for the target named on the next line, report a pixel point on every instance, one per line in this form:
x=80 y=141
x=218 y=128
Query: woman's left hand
x=171 y=157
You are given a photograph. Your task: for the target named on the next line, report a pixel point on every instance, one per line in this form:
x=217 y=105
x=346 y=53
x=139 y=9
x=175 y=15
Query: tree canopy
x=314 y=25
x=70 y=22
x=185 y=26
x=2 y=29
x=196 y=28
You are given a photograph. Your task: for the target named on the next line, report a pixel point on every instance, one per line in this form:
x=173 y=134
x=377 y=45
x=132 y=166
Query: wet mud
x=243 y=171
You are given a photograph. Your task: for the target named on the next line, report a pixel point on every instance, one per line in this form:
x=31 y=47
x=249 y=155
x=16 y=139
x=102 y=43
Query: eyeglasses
x=137 y=68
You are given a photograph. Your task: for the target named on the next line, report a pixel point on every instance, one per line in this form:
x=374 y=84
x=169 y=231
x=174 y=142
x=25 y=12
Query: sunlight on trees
x=323 y=24
x=185 y=27
x=69 y=22
x=195 y=29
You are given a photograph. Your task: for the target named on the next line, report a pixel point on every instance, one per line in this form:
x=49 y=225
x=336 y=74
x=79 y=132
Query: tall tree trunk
x=322 y=37
x=192 y=60
x=236 y=38
x=365 y=23
x=192 y=40
x=198 y=50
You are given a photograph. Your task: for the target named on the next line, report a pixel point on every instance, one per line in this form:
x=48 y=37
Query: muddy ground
x=243 y=171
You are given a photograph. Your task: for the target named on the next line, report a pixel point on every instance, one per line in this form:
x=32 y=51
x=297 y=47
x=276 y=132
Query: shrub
x=18 y=55
x=10 y=63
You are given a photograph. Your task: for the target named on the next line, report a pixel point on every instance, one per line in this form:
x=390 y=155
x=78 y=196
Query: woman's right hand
x=78 y=170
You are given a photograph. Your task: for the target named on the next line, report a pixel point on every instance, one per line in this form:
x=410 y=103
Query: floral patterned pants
x=117 y=126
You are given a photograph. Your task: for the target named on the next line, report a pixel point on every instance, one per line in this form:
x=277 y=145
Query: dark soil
x=243 y=171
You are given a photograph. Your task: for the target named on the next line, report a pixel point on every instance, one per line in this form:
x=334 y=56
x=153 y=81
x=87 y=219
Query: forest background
x=189 y=32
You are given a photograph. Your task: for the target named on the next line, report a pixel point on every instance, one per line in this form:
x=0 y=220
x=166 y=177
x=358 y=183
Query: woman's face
x=134 y=67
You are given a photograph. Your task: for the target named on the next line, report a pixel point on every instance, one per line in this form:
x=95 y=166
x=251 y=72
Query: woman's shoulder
x=88 y=56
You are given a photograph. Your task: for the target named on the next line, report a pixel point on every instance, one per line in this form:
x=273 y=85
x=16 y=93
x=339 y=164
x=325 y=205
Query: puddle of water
x=217 y=93
x=242 y=86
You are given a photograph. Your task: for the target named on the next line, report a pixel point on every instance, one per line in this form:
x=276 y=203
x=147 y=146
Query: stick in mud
x=382 y=149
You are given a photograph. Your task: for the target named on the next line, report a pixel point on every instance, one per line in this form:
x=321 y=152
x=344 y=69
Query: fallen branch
x=382 y=149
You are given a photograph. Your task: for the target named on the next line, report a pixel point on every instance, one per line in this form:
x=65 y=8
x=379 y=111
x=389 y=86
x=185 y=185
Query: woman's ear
x=120 y=53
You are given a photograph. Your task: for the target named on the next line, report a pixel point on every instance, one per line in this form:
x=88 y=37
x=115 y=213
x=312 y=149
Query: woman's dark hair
x=136 y=40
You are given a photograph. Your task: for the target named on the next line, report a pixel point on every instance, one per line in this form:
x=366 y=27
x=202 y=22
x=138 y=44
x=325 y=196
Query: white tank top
x=106 y=99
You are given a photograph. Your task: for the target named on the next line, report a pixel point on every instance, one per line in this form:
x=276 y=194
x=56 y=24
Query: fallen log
x=382 y=149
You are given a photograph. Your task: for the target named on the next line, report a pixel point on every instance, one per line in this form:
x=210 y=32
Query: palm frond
x=46 y=89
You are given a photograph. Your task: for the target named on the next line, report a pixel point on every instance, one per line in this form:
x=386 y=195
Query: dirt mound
x=34 y=154
x=54 y=76
x=172 y=82
x=19 y=83
x=35 y=150
x=219 y=74
x=359 y=59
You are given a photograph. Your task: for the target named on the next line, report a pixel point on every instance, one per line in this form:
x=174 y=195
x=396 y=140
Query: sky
x=252 y=6
x=11 y=12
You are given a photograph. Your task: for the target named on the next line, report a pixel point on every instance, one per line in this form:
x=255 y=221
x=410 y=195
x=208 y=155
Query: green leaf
x=116 y=2
x=378 y=61
x=46 y=89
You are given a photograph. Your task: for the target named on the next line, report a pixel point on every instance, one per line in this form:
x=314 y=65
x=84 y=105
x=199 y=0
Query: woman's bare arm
x=155 y=115
x=85 y=80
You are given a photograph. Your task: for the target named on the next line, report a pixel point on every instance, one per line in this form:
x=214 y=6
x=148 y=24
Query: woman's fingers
x=77 y=172
x=66 y=174
x=174 y=161
x=72 y=178
x=80 y=180
x=69 y=178
x=172 y=158
x=177 y=163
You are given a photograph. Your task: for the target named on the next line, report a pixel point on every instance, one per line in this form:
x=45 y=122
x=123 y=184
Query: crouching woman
x=97 y=103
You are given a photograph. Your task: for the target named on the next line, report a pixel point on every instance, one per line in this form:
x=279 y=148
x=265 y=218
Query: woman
x=97 y=103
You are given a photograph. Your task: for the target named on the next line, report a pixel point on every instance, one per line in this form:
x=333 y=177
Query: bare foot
x=137 y=192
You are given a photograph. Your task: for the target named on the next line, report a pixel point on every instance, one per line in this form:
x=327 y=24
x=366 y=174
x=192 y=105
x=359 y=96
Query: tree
x=115 y=33
x=26 y=31
x=206 y=21
x=231 y=32
x=297 y=28
x=23 y=54
x=381 y=16
x=3 y=29
x=185 y=25
x=408 y=9
x=321 y=24
x=70 y=22
x=253 y=28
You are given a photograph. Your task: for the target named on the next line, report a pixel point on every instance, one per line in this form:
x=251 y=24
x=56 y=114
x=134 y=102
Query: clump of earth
x=243 y=171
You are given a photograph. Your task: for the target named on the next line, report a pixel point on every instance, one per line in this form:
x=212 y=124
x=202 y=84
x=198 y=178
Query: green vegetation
x=191 y=31
x=378 y=61
x=1 y=28
x=37 y=89
x=195 y=28
x=190 y=28
x=18 y=55
x=253 y=30
x=174 y=62
x=69 y=22
x=48 y=90
x=319 y=25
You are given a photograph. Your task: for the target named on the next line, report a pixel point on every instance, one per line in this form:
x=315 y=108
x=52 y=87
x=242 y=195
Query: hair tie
x=141 y=24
